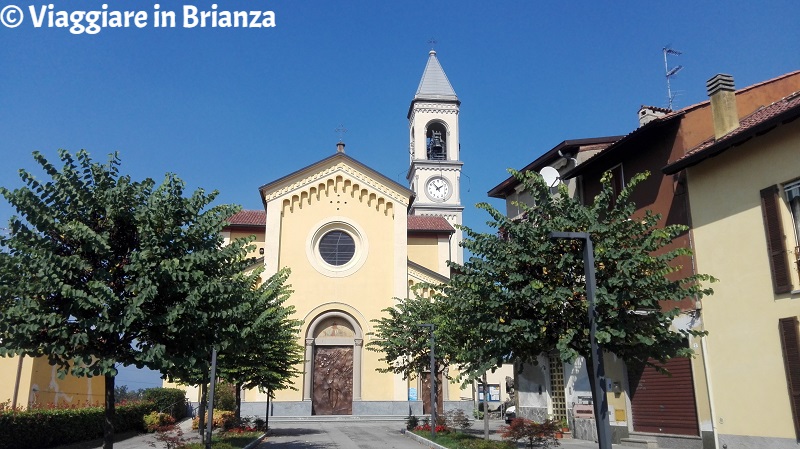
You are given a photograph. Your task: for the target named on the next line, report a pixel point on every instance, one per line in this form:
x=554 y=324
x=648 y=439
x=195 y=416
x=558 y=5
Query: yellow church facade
x=356 y=241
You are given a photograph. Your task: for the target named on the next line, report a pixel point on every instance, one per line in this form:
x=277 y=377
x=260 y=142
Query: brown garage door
x=662 y=403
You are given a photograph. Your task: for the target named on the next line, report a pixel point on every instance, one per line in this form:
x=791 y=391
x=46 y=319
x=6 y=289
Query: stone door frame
x=357 y=342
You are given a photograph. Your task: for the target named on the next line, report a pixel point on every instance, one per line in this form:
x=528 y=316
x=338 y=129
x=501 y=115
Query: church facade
x=355 y=241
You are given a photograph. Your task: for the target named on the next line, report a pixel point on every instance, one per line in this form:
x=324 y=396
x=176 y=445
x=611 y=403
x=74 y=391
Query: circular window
x=337 y=247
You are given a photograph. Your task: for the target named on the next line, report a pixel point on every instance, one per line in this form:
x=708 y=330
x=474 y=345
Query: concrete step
x=639 y=441
x=337 y=418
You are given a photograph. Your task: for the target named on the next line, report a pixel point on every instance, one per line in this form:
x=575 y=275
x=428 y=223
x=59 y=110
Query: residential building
x=650 y=408
x=744 y=196
x=672 y=411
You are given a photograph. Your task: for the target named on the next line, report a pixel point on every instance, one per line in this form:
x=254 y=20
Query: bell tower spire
x=434 y=172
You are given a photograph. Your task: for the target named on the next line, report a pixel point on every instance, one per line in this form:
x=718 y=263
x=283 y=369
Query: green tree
x=523 y=293
x=98 y=269
x=266 y=354
x=404 y=345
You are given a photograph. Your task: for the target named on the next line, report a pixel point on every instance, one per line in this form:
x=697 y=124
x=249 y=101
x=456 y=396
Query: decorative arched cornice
x=339 y=178
x=333 y=306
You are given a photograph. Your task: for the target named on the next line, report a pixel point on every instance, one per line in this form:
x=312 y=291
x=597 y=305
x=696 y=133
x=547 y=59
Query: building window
x=617 y=180
x=792 y=190
x=436 y=142
x=337 y=247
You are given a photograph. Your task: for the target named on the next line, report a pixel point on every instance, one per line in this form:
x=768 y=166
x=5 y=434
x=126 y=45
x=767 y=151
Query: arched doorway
x=333 y=364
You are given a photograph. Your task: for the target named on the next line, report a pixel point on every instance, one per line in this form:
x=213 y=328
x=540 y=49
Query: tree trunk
x=201 y=424
x=266 y=418
x=108 y=424
x=237 y=413
x=485 y=408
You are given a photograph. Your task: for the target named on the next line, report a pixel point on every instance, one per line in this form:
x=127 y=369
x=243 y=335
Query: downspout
x=707 y=372
x=703 y=339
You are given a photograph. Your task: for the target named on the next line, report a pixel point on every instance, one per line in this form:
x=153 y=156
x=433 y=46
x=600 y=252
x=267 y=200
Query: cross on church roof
x=433 y=43
x=340 y=131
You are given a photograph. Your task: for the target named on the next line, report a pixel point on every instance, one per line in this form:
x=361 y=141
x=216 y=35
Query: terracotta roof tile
x=428 y=223
x=249 y=218
x=748 y=126
x=660 y=120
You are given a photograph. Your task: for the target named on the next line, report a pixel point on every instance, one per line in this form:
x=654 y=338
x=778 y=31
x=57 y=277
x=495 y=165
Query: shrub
x=225 y=396
x=168 y=400
x=412 y=422
x=156 y=420
x=43 y=428
x=222 y=419
x=535 y=434
x=458 y=419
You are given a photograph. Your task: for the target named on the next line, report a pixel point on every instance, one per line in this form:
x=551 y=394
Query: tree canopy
x=98 y=269
x=522 y=293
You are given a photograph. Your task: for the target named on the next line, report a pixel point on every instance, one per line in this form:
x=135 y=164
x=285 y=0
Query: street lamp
x=431 y=327
x=597 y=370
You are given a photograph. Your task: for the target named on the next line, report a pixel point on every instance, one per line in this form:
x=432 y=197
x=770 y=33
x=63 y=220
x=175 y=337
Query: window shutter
x=790 y=344
x=776 y=245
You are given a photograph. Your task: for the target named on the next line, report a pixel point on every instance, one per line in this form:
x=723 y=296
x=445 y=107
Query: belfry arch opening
x=436 y=141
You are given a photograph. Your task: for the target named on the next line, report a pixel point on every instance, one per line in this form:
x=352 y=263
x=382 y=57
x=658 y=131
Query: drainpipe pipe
x=707 y=372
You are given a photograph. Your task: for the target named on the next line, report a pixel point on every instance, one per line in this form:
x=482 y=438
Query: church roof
x=428 y=223
x=248 y=218
x=759 y=122
x=415 y=223
x=434 y=84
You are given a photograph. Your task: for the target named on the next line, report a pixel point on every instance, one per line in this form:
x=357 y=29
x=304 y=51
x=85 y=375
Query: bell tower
x=434 y=172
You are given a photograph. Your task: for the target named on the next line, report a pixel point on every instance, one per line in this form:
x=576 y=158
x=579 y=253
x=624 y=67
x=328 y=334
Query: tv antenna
x=670 y=72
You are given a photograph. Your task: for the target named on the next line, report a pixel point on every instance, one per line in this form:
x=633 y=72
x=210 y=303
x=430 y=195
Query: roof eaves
x=609 y=150
x=711 y=148
x=504 y=188
x=428 y=271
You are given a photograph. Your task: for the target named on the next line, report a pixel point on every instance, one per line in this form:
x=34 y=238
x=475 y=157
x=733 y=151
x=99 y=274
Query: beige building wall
x=745 y=363
x=306 y=210
x=40 y=386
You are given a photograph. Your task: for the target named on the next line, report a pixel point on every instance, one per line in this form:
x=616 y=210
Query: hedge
x=168 y=400
x=42 y=428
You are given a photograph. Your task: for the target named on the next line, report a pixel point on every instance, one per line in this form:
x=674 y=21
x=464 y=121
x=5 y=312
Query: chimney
x=723 y=104
x=340 y=147
x=649 y=113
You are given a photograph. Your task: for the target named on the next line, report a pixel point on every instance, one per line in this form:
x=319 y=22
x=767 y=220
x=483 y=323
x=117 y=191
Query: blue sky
x=233 y=109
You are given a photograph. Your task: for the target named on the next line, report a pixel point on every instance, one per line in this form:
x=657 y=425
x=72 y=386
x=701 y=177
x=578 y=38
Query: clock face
x=438 y=189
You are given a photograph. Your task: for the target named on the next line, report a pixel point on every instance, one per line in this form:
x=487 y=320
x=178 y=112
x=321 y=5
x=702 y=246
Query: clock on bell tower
x=434 y=172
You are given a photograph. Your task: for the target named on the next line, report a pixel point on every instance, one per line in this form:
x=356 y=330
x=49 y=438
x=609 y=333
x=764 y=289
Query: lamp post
x=597 y=370
x=431 y=326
